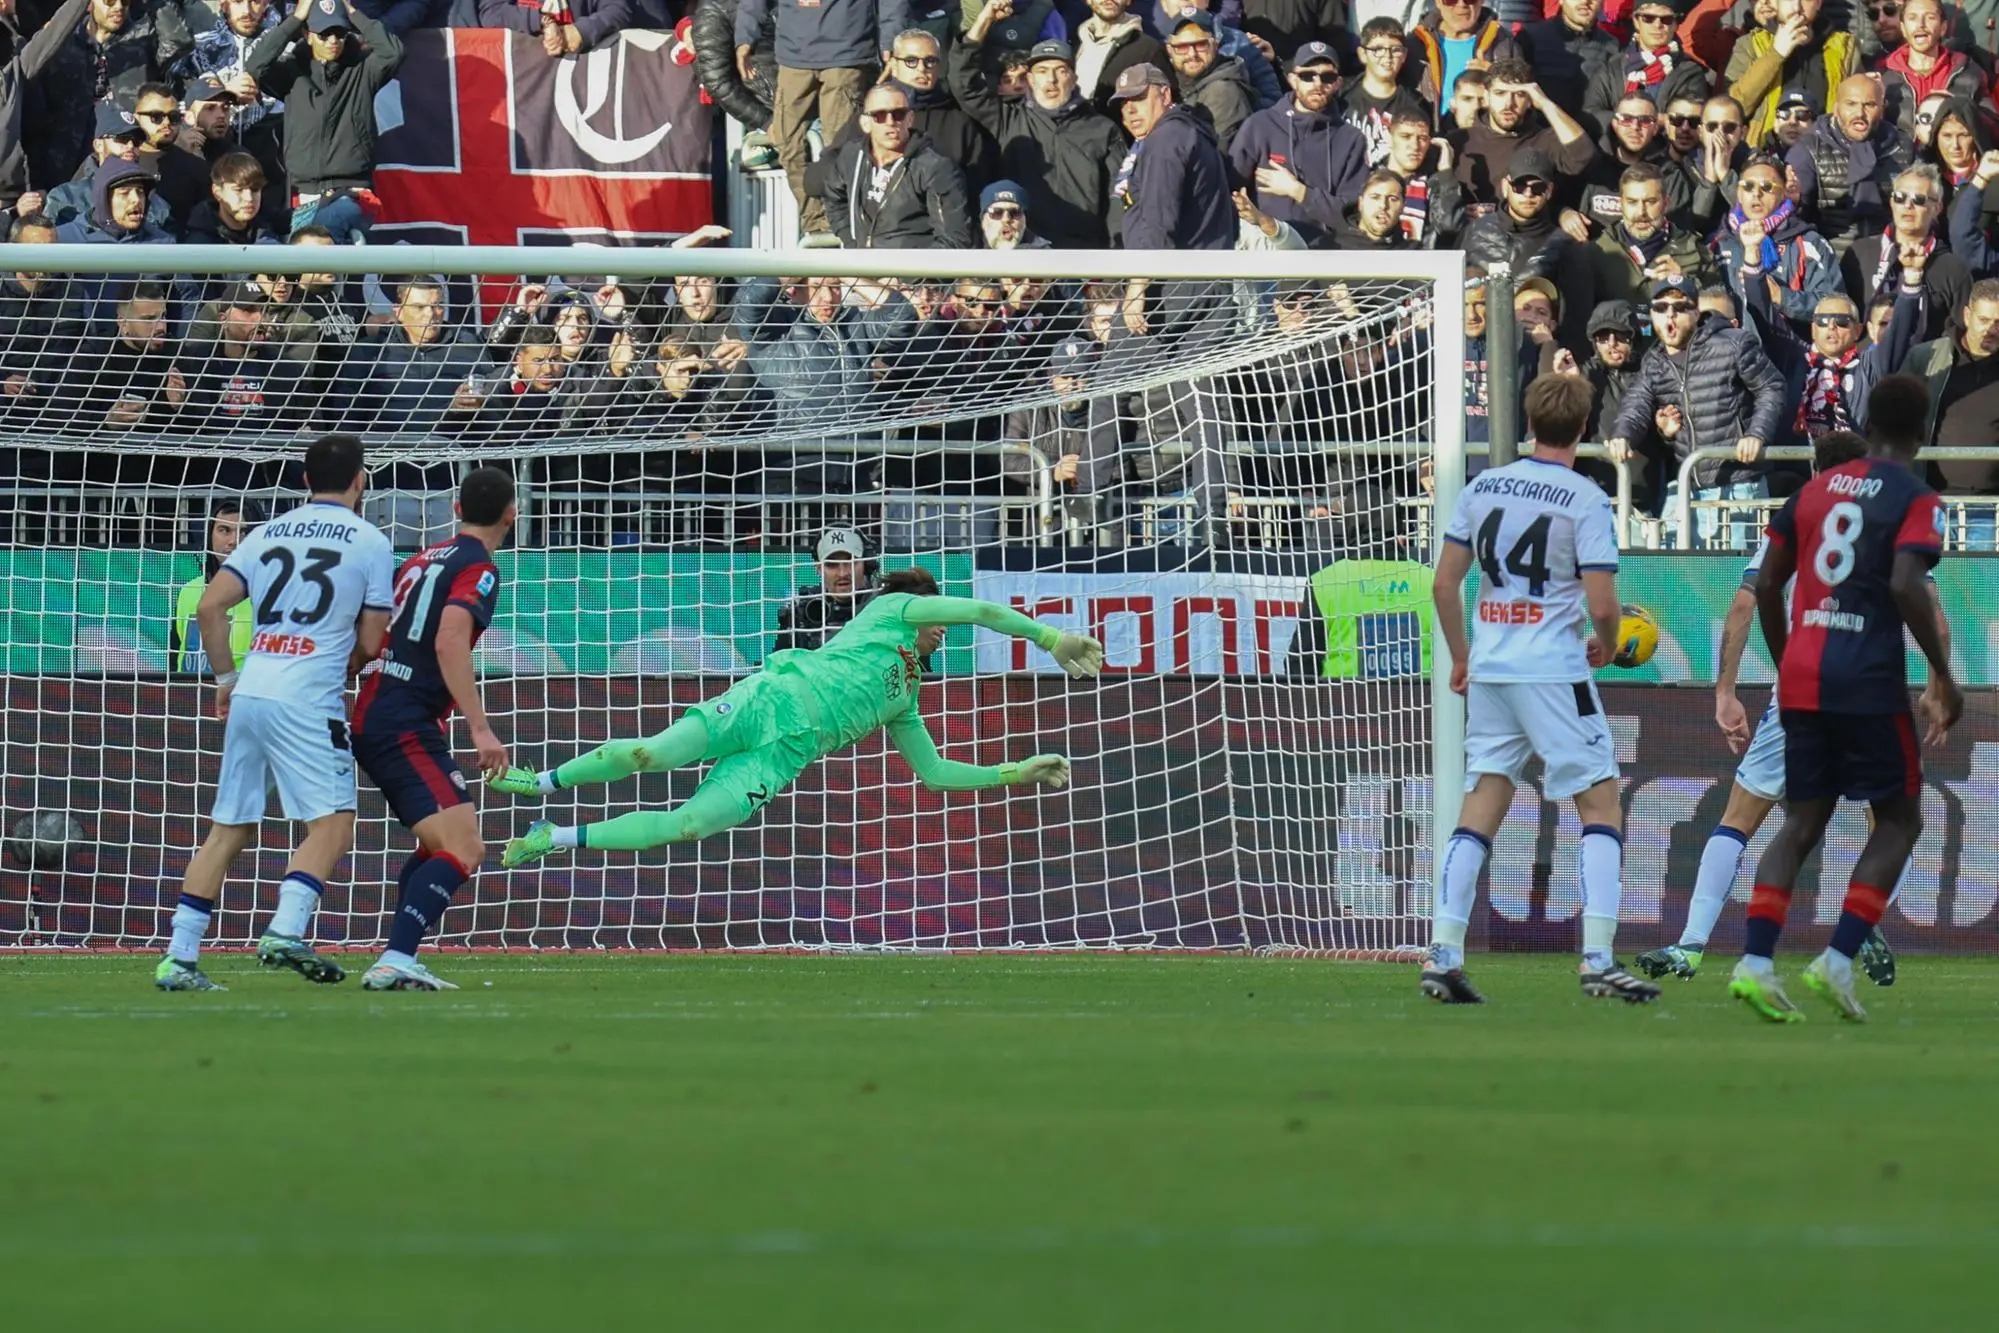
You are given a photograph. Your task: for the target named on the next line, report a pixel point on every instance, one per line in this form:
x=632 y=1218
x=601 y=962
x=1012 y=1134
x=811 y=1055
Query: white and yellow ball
x=1637 y=636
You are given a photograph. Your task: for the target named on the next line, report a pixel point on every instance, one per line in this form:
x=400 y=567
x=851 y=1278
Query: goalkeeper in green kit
x=804 y=704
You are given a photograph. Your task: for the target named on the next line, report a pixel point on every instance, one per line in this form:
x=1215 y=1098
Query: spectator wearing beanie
x=1003 y=220
x=1305 y=161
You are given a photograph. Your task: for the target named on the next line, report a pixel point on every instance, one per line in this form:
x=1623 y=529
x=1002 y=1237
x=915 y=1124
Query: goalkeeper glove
x=1078 y=654
x=1050 y=770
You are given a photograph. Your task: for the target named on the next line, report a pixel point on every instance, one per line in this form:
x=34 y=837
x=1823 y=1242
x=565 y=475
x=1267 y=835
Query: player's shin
x=1721 y=861
x=190 y=926
x=1600 y=866
x=298 y=900
x=426 y=895
x=1464 y=859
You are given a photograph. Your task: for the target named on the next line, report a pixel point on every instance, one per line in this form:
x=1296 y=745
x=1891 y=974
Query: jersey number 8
x=1837 y=536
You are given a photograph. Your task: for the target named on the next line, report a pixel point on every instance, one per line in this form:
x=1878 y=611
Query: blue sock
x=417 y=858
x=426 y=894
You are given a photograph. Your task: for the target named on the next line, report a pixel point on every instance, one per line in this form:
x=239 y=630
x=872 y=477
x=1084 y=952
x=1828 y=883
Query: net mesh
x=1226 y=481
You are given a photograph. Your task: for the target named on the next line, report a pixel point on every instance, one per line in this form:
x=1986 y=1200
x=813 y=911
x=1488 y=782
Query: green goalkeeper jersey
x=864 y=677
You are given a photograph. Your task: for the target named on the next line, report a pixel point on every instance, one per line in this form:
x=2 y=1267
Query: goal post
x=1232 y=467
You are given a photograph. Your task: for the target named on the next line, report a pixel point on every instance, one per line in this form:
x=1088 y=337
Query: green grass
x=1042 y=1143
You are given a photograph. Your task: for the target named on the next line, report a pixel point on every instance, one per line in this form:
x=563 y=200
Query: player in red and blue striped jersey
x=1861 y=540
x=445 y=597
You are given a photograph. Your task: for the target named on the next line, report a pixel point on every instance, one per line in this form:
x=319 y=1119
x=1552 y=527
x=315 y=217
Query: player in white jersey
x=319 y=580
x=1759 y=780
x=1546 y=547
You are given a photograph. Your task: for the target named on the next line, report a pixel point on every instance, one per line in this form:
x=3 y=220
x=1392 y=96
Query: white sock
x=391 y=958
x=1762 y=967
x=546 y=781
x=298 y=899
x=1900 y=880
x=190 y=923
x=1721 y=861
x=565 y=837
x=1837 y=966
x=1600 y=866
x=1464 y=858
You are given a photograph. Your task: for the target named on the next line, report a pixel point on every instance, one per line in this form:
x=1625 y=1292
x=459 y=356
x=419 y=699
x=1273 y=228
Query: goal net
x=1223 y=466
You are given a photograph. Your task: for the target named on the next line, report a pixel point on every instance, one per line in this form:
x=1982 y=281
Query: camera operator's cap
x=1003 y=192
x=1613 y=317
x=1050 y=50
x=840 y=541
x=208 y=88
x=1532 y=164
x=115 y=122
x=1073 y=356
x=1314 y=53
x=1200 y=18
x=1679 y=285
x=244 y=296
x=327 y=16
x=1133 y=80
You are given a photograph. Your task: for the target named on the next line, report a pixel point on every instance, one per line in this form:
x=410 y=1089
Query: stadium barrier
x=1958 y=508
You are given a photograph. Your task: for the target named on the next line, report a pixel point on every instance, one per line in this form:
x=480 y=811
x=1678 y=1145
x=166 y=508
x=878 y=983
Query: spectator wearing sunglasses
x=1796 y=113
x=1304 y=160
x=1374 y=101
x=1652 y=65
x=1631 y=139
x=1831 y=373
x=915 y=65
x=1714 y=167
x=1207 y=83
x=1003 y=223
x=1803 y=51
x=1704 y=383
x=1615 y=353
x=1519 y=118
x=1109 y=42
x=1915 y=206
x=1924 y=66
x=1764 y=239
x=1523 y=232
x=889 y=189
x=1846 y=164
x=1962 y=373
x=1567 y=49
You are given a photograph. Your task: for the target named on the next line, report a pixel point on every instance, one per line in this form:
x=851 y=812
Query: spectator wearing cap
x=1003 y=221
x=1567 y=48
x=24 y=64
x=1449 y=40
x=1205 y=82
x=1915 y=204
x=1433 y=209
x=890 y=190
x=816 y=612
x=118 y=46
x=1796 y=112
x=1846 y=164
x=1641 y=244
x=1374 y=100
x=1230 y=41
x=1077 y=434
x=827 y=54
x=1704 y=383
x=232 y=215
x=1801 y=50
x=1052 y=141
x=1519 y=118
x=1652 y=65
x=575 y=25
x=1174 y=183
x=237 y=382
x=224 y=51
x=1305 y=161
x=328 y=81
x=1924 y=66
x=1373 y=221
x=1109 y=42
x=118 y=137
x=1764 y=239
x=1524 y=232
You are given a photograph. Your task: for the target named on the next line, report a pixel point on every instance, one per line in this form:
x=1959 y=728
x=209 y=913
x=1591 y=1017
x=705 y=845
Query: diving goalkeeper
x=804 y=704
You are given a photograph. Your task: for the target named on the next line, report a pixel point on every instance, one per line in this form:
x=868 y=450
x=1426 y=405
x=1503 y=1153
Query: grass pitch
x=597 y=1142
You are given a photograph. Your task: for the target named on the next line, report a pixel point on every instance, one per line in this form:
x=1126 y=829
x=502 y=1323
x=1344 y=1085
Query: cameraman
x=846 y=584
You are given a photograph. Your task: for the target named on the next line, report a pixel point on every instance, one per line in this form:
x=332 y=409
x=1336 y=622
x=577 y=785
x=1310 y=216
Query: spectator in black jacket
x=584 y=25
x=916 y=67
x=890 y=190
x=1288 y=24
x=124 y=373
x=237 y=383
x=1373 y=101
x=1846 y=164
x=1374 y=220
x=119 y=45
x=1567 y=49
x=813 y=615
x=1206 y=82
x=1305 y=160
x=41 y=324
x=1523 y=232
x=1653 y=65
x=1052 y=141
x=328 y=82
x=1175 y=182
x=230 y=216
x=24 y=60
x=1433 y=210
x=1914 y=205
x=181 y=167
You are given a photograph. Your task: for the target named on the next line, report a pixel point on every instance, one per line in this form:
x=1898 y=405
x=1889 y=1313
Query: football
x=1637 y=637
x=43 y=840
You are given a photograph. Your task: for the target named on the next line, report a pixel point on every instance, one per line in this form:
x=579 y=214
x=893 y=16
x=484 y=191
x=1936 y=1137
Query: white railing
x=1685 y=505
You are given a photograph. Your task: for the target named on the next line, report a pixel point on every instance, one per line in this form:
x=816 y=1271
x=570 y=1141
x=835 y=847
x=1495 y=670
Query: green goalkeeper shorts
x=761 y=736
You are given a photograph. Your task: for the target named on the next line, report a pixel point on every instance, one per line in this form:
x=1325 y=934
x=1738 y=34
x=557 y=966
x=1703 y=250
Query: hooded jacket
x=922 y=207
x=1806 y=266
x=1176 y=193
x=1068 y=158
x=834 y=34
x=1230 y=41
x=1956 y=75
x=60 y=114
x=1726 y=389
x=329 y=107
x=1221 y=94
x=1321 y=149
x=1842 y=185
x=1346 y=234
x=96 y=226
x=939 y=119
x=27 y=60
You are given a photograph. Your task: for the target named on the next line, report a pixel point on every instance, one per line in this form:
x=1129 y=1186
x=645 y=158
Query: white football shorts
x=1508 y=723
x=1761 y=772
x=302 y=752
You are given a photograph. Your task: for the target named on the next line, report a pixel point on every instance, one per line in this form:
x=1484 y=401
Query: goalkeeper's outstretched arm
x=913 y=739
x=1077 y=654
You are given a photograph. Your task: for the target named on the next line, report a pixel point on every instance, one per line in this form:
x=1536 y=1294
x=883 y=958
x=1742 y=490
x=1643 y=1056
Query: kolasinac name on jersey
x=1535 y=528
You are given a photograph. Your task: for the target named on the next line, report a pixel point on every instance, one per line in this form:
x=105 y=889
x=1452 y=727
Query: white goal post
x=1231 y=466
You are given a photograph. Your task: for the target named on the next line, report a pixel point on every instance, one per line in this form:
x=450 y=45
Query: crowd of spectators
x=1730 y=217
